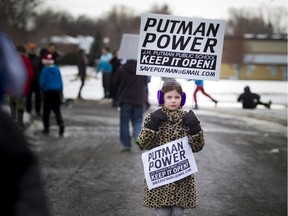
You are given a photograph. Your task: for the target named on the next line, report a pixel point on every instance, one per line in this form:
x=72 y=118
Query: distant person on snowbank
x=250 y=100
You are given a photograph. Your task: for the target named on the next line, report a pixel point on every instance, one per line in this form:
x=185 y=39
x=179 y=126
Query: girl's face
x=172 y=100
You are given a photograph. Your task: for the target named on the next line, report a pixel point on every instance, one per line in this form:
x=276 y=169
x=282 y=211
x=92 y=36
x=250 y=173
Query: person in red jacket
x=17 y=104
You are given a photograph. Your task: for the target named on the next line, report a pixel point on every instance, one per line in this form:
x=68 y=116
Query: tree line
x=23 y=22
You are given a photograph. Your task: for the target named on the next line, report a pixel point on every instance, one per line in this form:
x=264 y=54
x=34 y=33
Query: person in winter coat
x=106 y=68
x=52 y=49
x=82 y=62
x=52 y=86
x=17 y=104
x=168 y=123
x=130 y=97
x=115 y=62
x=250 y=100
x=35 y=87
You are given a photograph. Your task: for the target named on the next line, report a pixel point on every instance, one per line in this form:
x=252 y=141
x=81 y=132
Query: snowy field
x=225 y=91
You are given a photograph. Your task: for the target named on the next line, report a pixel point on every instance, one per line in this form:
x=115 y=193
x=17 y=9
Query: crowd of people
x=40 y=79
x=43 y=87
x=43 y=91
x=40 y=91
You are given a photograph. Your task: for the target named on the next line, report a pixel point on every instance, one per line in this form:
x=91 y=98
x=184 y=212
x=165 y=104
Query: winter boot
x=268 y=105
x=61 y=130
x=215 y=101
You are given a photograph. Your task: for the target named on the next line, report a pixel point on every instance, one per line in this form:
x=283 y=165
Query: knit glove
x=157 y=118
x=192 y=122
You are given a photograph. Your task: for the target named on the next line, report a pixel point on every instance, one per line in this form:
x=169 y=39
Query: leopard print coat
x=181 y=193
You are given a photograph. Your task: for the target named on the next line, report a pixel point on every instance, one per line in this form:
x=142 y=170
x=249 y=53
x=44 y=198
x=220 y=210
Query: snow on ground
x=225 y=91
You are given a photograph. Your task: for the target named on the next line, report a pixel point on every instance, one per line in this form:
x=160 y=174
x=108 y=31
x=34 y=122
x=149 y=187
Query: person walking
x=115 y=62
x=200 y=87
x=106 y=68
x=82 y=62
x=52 y=86
x=166 y=124
x=35 y=89
x=251 y=100
x=130 y=96
x=17 y=104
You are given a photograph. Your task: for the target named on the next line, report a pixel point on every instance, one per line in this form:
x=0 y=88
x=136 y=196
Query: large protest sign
x=180 y=47
x=129 y=46
x=168 y=163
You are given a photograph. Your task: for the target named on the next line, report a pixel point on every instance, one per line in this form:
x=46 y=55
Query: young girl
x=168 y=123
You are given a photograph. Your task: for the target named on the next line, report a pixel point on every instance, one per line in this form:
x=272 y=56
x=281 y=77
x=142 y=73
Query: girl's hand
x=192 y=122
x=157 y=118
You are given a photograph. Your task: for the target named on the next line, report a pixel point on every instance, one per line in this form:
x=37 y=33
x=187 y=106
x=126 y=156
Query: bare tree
x=259 y=21
x=15 y=17
x=277 y=17
x=119 y=20
x=243 y=21
x=164 y=9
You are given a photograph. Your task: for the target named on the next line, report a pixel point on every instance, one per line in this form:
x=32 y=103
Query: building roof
x=265 y=59
x=266 y=36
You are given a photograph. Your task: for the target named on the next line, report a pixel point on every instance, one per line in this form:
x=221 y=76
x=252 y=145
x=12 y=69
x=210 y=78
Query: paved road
x=242 y=168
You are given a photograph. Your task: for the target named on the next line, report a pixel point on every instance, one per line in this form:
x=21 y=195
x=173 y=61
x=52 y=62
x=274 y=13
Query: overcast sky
x=214 y=9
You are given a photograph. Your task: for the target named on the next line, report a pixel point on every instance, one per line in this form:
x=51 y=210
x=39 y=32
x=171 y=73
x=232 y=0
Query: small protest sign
x=129 y=46
x=168 y=163
x=180 y=47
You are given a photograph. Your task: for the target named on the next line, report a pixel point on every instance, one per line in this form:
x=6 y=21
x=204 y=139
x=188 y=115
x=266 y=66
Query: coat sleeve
x=29 y=70
x=30 y=74
x=42 y=78
x=61 y=81
x=197 y=141
x=116 y=77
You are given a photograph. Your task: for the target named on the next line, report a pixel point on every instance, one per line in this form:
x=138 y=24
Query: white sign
x=180 y=47
x=168 y=163
x=129 y=46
